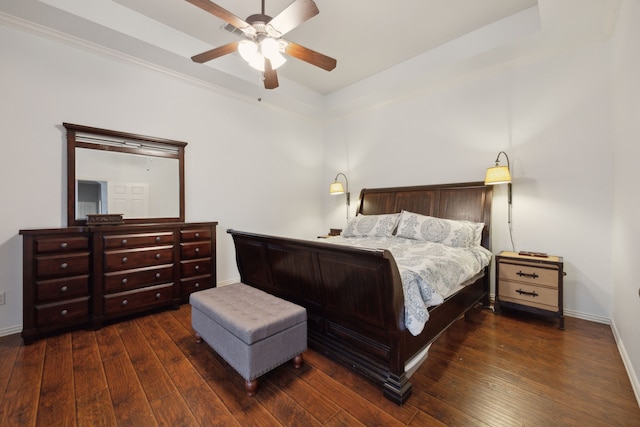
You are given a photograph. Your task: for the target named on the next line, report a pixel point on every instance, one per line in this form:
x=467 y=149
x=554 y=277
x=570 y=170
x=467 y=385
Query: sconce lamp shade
x=336 y=188
x=497 y=175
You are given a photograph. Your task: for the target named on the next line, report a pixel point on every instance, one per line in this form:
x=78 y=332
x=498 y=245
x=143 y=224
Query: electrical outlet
x=1 y=297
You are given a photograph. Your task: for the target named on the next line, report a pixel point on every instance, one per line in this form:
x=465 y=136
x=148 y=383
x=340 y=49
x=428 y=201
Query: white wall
x=550 y=113
x=626 y=231
x=249 y=166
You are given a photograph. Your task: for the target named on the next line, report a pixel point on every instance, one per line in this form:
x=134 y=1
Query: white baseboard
x=633 y=377
x=10 y=330
x=586 y=316
x=229 y=282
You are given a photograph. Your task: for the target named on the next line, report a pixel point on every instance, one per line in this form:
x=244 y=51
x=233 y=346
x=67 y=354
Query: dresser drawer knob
x=197 y=285
x=158 y=256
x=197 y=267
x=64 y=245
x=197 y=250
x=124 y=302
x=123 y=242
x=124 y=259
x=158 y=239
x=532 y=275
x=64 y=265
x=124 y=281
x=533 y=293
x=197 y=235
x=158 y=295
x=64 y=289
x=64 y=312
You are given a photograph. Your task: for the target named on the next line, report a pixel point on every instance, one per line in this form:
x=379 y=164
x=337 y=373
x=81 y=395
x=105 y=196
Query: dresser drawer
x=62 y=289
x=64 y=312
x=137 y=258
x=195 y=250
x=528 y=273
x=61 y=244
x=195 y=234
x=139 y=299
x=530 y=295
x=72 y=264
x=196 y=267
x=137 y=240
x=132 y=279
x=195 y=284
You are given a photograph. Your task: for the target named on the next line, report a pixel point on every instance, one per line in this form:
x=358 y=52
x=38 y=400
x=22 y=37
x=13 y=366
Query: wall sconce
x=501 y=175
x=337 y=188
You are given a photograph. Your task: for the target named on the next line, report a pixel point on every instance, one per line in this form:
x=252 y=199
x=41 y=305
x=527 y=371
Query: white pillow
x=371 y=225
x=461 y=234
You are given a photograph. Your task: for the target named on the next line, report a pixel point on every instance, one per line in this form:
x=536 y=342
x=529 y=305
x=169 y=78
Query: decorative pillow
x=371 y=226
x=461 y=234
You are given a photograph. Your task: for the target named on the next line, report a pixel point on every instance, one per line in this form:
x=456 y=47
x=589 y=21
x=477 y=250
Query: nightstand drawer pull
x=532 y=275
x=533 y=294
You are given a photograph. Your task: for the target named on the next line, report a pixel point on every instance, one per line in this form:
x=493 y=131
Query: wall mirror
x=112 y=172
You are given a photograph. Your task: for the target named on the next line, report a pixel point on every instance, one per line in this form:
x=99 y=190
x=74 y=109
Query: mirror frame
x=142 y=149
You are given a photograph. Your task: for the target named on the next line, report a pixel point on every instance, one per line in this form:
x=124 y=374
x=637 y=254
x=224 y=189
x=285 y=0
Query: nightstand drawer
x=528 y=273
x=533 y=296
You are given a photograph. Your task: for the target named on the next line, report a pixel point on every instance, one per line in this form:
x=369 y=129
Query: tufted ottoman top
x=248 y=313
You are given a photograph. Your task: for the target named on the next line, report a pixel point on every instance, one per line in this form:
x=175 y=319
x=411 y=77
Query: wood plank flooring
x=486 y=370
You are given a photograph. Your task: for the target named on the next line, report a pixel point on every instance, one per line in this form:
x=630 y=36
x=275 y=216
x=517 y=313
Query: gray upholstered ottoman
x=251 y=329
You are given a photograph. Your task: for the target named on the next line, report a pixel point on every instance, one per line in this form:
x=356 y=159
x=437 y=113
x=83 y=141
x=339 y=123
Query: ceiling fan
x=263 y=45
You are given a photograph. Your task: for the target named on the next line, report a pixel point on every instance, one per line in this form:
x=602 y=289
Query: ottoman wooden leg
x=297 y=361
x=250 y=387
x=198 y=339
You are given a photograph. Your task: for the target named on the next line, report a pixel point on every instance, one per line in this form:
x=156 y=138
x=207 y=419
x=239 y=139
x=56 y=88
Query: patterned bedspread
x=429 y=271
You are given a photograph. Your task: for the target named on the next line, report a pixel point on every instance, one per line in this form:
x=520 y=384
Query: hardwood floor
x=487 y=370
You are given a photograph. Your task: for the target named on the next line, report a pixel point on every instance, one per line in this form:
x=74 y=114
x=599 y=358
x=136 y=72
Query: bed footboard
x=353 y=297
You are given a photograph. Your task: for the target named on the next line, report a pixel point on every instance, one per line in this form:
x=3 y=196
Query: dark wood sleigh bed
x=354 y=297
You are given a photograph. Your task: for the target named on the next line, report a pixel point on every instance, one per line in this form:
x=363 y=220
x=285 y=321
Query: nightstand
x=530 y=283
x=332 y=232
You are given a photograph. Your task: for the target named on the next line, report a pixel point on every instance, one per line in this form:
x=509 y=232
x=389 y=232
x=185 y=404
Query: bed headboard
x=469 y=201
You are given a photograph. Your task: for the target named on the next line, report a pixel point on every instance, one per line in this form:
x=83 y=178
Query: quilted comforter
x=429 y=271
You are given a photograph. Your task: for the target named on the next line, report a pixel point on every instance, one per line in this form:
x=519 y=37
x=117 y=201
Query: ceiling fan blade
x=293 y=15
x=220 y=12
x=310 y=56
x=270 y=75
x=215 y=53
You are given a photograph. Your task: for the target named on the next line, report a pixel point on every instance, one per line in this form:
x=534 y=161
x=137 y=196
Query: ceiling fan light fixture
x=259 y=28
x=277 y=61
x=258 y=63
x=248 y=51
x=270 y=48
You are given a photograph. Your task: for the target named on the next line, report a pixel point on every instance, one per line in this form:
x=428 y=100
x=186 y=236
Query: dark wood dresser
x=86 y=275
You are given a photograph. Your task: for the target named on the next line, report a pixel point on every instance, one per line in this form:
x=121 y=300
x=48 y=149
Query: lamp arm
x=346 y=181
x=508 y=185
x=498 y=159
